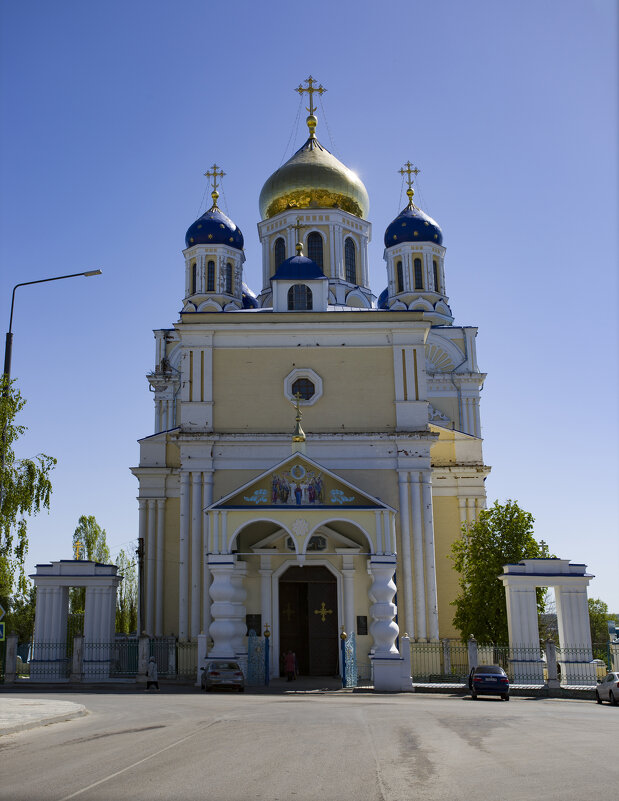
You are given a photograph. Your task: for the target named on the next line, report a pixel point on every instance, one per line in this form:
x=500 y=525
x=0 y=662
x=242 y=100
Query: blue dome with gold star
x=413 y=225
x=214 y=228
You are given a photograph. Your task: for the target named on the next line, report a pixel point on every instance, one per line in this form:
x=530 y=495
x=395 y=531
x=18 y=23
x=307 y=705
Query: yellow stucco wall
x=248 y=394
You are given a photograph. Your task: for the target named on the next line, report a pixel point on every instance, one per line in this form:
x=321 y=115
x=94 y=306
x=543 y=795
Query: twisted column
x=383 y=628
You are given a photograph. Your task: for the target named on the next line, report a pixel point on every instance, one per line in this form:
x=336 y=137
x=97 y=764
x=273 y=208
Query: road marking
x=140 y=761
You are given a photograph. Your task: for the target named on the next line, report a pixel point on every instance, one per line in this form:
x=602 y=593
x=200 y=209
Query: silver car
x=223 y=673
x=608 y=689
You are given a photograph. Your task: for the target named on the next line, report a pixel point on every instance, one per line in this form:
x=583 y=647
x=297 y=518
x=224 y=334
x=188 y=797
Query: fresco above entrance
x=299 y=484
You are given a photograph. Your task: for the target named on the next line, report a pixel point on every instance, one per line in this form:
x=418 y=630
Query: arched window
x=350 y=261
x=299 y=298
x=437 y=286
x=228 y=278
x=399 y=277
x=418 y=274
x=210 y=276
x=194 y=277
x=280 y=251
x=314 y=248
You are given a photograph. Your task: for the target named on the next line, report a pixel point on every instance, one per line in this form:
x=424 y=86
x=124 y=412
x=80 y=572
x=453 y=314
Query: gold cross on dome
x=323 y=612
x=297 y=228
x=215 y=172
x=409 y=170
x=77 y=548
x=310 y=89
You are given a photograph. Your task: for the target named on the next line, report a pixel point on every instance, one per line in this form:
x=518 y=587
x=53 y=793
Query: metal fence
x=115 y=660
x=445 y=661
x=50 y=661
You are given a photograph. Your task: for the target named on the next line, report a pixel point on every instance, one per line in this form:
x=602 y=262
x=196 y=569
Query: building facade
x=346 y=519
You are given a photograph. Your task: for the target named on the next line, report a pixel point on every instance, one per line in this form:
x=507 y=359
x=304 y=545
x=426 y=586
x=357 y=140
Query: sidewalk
x=19 y=714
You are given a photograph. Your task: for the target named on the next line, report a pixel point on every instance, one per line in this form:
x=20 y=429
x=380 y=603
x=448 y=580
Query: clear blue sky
x=110 y=113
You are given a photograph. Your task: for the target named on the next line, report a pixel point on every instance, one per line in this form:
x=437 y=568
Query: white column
x=331 y=272
x=142 y=522
x=266 y=600
x=170 y=414
x=196 y=550
x=227 y=608
x=462 y=509
x=420 y=595
x=363 y=252
x=183 y=569
x=430 y=562
x=407 y=565
x=383 y=628
x=574 y=634
x=349 y=597
x=207 y=500
x=150 y=569
x=159 y=571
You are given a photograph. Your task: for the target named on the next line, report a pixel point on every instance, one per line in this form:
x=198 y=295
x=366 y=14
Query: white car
x=608 y=689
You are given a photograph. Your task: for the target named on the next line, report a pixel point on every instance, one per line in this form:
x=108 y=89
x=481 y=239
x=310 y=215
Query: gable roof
x=299 y=482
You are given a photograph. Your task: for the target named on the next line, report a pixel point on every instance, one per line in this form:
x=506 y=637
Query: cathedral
x=316 y=448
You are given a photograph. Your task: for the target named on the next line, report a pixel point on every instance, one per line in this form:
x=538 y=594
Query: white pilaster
x=430 y=562
x=150 y=569
x=207 y=499
x=183 y=569
x=159 y=571
x=196 y=550
x=420 y=595
x=407 y=565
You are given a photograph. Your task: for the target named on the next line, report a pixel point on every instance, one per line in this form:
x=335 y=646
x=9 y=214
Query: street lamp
x=8 y=348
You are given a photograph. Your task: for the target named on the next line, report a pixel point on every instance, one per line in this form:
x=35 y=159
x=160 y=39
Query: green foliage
x=20 y=615
x=502 y=534
x=25 y=490
x=127 y=595
x=598 y=620
x=92 y=542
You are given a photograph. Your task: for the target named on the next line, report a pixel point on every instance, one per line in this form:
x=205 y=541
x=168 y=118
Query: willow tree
x=25 y=489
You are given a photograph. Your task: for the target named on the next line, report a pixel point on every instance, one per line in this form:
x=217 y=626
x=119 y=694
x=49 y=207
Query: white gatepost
x=227 y=610
x=49 y=662
x=570 y=583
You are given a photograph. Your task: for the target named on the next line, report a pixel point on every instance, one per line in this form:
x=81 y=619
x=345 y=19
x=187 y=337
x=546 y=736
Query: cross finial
x=76 y=549
x=297 y=227
x=213 y=174
x=310 y=89
x=408 y=170
x=299 y=434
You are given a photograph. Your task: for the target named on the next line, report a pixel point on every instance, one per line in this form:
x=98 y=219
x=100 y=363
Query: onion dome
x=413 y=225
x=298 y=268
x=382 y=302
x=314 y=178
x=214 y=228
x=249 y=298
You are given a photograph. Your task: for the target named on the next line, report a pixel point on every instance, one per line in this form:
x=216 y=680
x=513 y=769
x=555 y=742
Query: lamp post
x=8 y=348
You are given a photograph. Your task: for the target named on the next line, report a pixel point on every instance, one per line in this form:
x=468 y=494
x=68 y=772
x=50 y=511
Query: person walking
x=152 y=677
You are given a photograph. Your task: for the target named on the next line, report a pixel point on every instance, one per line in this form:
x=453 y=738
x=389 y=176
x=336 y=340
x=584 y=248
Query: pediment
x=299 y=483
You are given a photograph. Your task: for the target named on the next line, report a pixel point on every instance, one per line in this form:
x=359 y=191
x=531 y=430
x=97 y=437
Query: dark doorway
x=308 y=619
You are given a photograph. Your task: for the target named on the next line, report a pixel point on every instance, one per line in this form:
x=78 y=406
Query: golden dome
x=314 y=178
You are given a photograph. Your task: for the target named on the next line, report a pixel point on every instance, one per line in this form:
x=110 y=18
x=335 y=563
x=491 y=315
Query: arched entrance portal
x=308 y=619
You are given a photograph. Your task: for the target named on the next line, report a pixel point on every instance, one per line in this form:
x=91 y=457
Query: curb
x=79 y=712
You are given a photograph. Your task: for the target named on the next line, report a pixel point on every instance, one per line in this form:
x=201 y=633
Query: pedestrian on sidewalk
x=152 y=677
x=290 y=665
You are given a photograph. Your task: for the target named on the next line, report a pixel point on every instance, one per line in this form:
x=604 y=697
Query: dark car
x=488 y=680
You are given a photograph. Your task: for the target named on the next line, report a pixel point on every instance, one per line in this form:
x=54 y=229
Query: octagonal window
x=303 y=387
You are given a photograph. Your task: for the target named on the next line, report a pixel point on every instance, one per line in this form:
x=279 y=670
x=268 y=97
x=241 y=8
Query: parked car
x=223 y=674
x=608 y=689
x=488 y=680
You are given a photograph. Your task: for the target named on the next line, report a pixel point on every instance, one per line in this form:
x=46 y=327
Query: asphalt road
x=331 y=747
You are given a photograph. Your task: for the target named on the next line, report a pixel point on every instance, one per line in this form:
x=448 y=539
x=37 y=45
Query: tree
x=598 y=620
x=25 y=489
x=500 y=535
x=127 y=595
x=90 y=544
